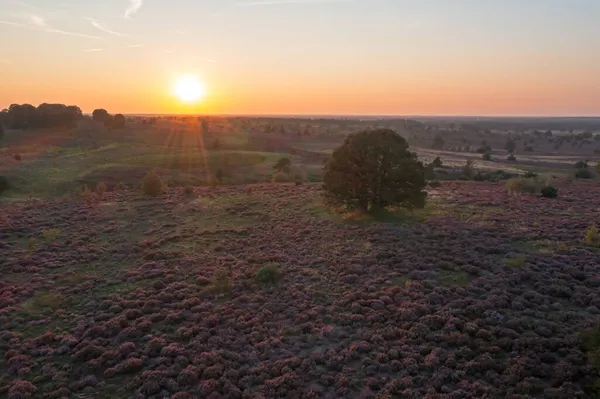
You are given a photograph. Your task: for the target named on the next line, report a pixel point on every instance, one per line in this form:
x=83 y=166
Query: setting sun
x=189 y=88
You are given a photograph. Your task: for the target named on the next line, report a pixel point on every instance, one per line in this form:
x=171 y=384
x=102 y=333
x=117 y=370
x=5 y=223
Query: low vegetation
x=549 y=192
x=592 y=237
x=249 y=287
x=152 y=184
x=268 y=274
x=524 y=185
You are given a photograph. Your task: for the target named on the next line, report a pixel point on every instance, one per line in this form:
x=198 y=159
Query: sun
x=189 y=88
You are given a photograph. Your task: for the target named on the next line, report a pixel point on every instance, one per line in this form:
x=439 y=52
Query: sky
x=315 y=57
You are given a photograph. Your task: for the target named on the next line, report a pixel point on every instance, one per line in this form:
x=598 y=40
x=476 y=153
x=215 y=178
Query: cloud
x=280 y=2
x=101 y=27
x=7 y=62
x=135 y=45
x=134 y=6
x=93 y=50
x=26 y=5
x=39 y=24
x=37 y=21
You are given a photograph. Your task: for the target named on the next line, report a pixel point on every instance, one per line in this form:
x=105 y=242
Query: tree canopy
x=373 y=170
x=26 y=116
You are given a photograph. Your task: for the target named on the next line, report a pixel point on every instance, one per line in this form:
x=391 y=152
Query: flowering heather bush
x=487 y=297
x=21 y=390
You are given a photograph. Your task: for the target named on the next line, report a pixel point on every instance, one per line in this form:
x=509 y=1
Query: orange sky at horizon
x=403 y=58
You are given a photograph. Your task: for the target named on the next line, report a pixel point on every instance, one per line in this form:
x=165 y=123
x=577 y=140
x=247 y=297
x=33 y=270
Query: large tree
x=372 y=170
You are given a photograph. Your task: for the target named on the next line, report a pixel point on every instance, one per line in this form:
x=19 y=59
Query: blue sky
x=536 y=54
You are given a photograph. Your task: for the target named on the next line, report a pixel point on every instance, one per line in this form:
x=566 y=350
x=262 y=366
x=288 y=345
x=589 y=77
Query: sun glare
x=189 y=88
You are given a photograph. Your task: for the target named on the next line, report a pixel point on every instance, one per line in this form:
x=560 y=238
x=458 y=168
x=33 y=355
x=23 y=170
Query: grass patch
x=44 y=301
x=453 y=278
x=592 y=237
x=402 y=281
x=392 y=215
x=516 y=263
x=51 y=234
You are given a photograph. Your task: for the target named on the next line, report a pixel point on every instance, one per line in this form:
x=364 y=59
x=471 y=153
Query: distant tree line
x=26 y=116
x=102 y=116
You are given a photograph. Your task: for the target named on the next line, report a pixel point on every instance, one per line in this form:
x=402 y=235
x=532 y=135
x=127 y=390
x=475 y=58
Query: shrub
x=592 y=237
x=581 y=165
x=4 y=185
x=583 y=174
x=222 y=282
x=590 y=343
x=268 y=274
x=219 y=175
x=188 y=190
x=528 y=149
x=437 y=163
x=18 y=157
x=530 y=175
x=152 y=184
x=84 y=193
x=299 y=178
x=280 y=177
x=511 y=158
x=283 y=165
x=121 y=186
x=31 y=243
x=487 y=156
x=372 y=170
x=100 y=189
x=469 y=169
x=435 y=184
x=523 y=185
x=51 y=234
x=515 y=262
x=549 y=192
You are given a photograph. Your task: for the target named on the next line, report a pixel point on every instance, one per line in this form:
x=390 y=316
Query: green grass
x=43 y=301
x=396 y=216
x=453 y=278
x=516 y=263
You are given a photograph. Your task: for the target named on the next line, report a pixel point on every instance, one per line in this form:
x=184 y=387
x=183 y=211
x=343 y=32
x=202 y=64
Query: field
x=254 y=289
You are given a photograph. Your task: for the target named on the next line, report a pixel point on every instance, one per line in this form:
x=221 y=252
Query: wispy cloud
x=134 y=6
x=93 y=50
x=135 y=45
x=101 y=27
x=38 y=23
x=7 y=62
x=26 y=5
x=280 y=2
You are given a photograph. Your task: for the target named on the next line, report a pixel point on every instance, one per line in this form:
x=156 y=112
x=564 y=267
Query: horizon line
x=387 y=116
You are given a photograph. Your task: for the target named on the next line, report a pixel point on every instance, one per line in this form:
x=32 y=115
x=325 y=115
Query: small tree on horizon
x=372 y=170
x=119 y=121
x=438 y=143
x=100 y=115
x=510 y=145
